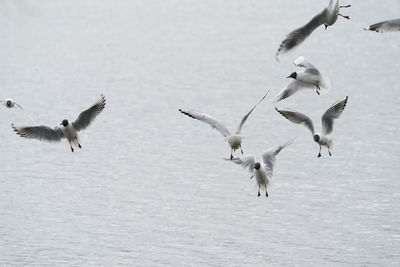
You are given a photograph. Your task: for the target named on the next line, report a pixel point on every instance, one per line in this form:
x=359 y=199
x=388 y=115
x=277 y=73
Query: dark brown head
x=257 y=165
x=316 y=137
x=9 y=103
x=293 y=75
x=64 y=123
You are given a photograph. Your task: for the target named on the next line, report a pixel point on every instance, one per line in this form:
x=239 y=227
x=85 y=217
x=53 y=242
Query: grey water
x=150 y=186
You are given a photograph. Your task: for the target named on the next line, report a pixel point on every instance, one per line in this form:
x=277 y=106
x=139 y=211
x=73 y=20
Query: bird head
x=293 y=75
x=64 y=123
x=316 y=137
x=257 y=165
x=9 y=103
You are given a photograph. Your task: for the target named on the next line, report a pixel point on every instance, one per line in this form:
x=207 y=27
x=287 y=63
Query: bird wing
x=248 y=114
x=42 y=132
x=269 y=156
x=297 y=117
x=291 y=88
x=296 y=37
x=302 y=62
x=332 y=113
x=18 y=105
x=207 y=119
x=86 y=117
x=385 y=26
x=247 y=162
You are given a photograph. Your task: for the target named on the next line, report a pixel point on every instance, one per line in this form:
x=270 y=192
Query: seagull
x=327 y=119
x=261 y=167
x=68 y=130
x=234 y=140
x=328 y=17
x=9 y=103
x=309 y=78
x=385 y=26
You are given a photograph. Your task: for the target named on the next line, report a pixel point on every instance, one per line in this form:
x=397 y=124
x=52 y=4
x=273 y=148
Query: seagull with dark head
x=9 y=103
x=235 y=139
x=327 y=119
x=261 y=167
x=308 y=78
x=327 y=17
x=66 y=129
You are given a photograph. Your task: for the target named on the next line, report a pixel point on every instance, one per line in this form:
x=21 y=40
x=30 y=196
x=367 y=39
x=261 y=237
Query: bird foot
x=330 y=154
x=345 y=6
x=317 y=92
x=266 y=194
x=319 y=155
x=79 y=145
x=258 y=194
x=72 y=149
x=346 y=17
x=231 y=157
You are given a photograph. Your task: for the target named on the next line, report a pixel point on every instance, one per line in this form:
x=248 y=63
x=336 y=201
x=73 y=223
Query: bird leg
x=330 y=154
x=317 y=89
x=345 y=6
x=231 y=154
x=241 y=150
x=319 y=154
x=346 y=17
x=72 y=149
x=258 y=191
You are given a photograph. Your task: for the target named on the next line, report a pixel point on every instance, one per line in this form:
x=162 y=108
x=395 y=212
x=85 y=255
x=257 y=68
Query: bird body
x=66 y=129
x=235 y=141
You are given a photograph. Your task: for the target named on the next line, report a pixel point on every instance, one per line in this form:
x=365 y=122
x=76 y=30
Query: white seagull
x=261 y=167
x=68 y=130
x=309 y=78
x=385 y=26
x=234 y=140
x=327 y=119
x=9 y=103
x=328 y=17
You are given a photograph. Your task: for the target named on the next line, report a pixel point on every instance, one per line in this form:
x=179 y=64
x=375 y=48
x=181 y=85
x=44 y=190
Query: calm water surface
x=149 y=187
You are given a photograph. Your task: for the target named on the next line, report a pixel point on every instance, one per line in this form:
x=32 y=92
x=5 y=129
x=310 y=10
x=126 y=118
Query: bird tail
x=324 y=84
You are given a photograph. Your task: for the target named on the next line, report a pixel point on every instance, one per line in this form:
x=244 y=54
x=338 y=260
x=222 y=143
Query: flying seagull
x=309 y=78
x=328 y=17
x=9 y=103
x=261 y=167
x=385 y=26
x=68 y=130
x=327 y=119
x=234 y=140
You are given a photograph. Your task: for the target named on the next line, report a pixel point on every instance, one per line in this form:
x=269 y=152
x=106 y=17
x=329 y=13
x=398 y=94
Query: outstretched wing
x=269 y=156
x=293 y=87
x=332 y=113
x=248 y=114
x=86 y=117
x=207 y=119
x=40 y=132
x=385 y=26
x=302 y=62
x=247 y=162
x=297 y=36
x=297 y=117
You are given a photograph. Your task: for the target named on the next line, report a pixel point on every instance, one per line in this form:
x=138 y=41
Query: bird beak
x=288 y=77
